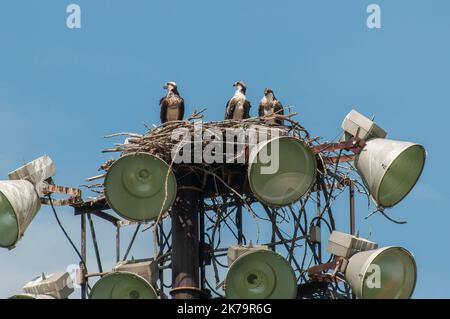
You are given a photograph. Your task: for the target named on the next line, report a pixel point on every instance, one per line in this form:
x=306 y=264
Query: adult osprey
x=172 y=105
x=238 y=107
x=270 y=105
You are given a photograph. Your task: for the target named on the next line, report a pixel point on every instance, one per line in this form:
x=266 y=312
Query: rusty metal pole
x=94 y=241
x=117 y=242
x=319 y=213
x=161 y=252
x=352 y=208
x=83 y=254
x=185 y=240
x=240 y=234
x=202 y=246
x=273 y=219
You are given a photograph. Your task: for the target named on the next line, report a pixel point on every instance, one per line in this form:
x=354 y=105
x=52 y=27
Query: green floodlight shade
x=122 y=285
x=9 y=227
x=19 y=204
x=390 y=169
x=402 y=176
x=397 y=273
x=260 y=274
x=135 y=187
x=288 y=181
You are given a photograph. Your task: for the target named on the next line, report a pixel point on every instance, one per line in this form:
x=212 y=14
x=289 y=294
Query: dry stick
x=124 y=134
x=162 y=132
x=91 y=179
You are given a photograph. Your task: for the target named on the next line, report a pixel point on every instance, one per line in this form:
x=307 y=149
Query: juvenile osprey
x=172 y=105
x=270 y=105
x=238 y=107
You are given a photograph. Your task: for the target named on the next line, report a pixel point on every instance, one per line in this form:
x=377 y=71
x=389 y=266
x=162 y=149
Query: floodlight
x=136 y=188
x=293 y=177
x=20 y=199
x=382 y=273
x=397 y=277
x=390 y=169
x=260 y=274
x=129 y=280
x=122 y=285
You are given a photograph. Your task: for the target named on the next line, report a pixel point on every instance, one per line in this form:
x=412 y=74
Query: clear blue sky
x=61 y=90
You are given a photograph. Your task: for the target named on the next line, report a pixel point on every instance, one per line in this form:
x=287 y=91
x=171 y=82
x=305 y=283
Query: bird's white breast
x=268 y=108
x=173 y=110
x=238 y=111
x=268 y=105
x=239 y=97
x=172 y=113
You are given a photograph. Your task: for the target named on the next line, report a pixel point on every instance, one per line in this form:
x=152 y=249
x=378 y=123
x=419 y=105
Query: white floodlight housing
x=148 y=270
x=356 y=125
x=345 y=245
x=390 y=169
x=57 y=285
x=384 y=273
x=20 y=199
x=235 y=251
x=35 y=171
x=372 y=272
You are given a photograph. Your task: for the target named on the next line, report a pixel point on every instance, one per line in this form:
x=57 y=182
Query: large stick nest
x=159 y=141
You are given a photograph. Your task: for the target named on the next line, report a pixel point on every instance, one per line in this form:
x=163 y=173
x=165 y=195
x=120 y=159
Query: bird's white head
x=240 y=86
x=268 y=93
x=170 y=86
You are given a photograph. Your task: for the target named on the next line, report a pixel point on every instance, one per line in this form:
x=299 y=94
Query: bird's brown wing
x=181 y=111
x=231 y=105
x=278 y=109
x=247 y=107
x=261 y=109
x=163 y=113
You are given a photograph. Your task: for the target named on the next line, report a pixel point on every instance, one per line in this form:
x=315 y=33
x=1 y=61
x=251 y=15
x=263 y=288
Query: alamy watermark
x=373 y=279
x=374 y=18
x=73 y=21
x=73 y=270
x=232 y=145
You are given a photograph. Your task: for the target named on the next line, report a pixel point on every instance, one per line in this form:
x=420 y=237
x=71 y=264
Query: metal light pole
x=185 y=240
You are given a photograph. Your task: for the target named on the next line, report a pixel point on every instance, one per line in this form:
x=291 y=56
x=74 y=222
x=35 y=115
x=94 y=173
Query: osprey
x=238 y=107
x=270 y=105
x=172 y=105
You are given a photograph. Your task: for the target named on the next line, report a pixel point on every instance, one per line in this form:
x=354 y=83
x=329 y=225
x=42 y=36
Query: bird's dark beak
x=165 y=87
